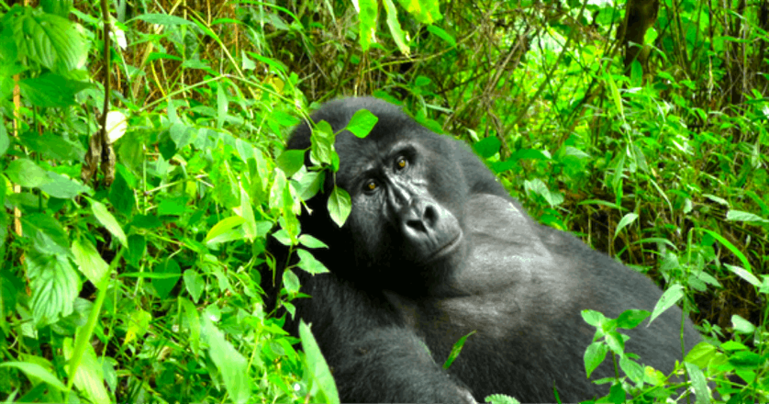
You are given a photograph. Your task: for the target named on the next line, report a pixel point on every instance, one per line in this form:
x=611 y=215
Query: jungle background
x=141 y=145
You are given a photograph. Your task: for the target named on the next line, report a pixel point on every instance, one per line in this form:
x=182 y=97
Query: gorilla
x=434 y=249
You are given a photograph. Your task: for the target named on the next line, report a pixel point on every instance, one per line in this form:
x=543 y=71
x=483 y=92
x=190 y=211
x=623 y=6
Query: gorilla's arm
x=392 y=365
x=374 y=357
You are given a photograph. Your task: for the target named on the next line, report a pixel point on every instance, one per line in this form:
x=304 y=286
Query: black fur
x=440 y=249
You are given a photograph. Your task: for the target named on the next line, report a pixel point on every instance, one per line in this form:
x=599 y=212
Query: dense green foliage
x=132 y=257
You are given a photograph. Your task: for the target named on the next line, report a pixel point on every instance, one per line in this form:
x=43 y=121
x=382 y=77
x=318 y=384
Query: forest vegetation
x=141 y=152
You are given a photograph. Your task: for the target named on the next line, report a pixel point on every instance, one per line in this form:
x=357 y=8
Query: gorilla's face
x=406 y=208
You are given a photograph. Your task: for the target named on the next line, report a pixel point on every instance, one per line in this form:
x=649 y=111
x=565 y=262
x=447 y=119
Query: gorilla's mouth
x=447 y=248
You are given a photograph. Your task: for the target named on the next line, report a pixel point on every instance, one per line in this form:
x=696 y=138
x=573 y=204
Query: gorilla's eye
x=371 y=185
x=401 y=163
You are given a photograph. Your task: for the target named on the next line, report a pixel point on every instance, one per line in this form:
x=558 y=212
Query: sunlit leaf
x=233 y=367
x=671 y=296
x=317 y=366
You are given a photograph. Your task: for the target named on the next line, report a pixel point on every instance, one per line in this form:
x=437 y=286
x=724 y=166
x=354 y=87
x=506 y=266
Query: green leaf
x=163 y=19
x=310 y=184
x=455 y=350
x=311 y=242
x=164 y=285
x=88 y=260
x=740 y=216
x=26 y=173
x=4 y=140
x=322 y=143
x=53 y=146
x=225 y=230
x=339 y=205
x=667 y=300
x=138 y=325
x=290 y=161
x=50 y=40
x=35 y=371
x=487 y=147
x=106 y=219
x=698 y=382
x=193 y=319
x=367 y=17
x=395 y=27
x=233 y=367
x=361 y=123
x=122 y=196
x=54 y=286
x=593 y=317
x=194 y=284
x=701 y=354
x=172 y=206
x=309 y=263
x=62 y=187
x=745 y=275
x=440 y=33
x=632 y=369
x=317 y=366
x=58 y=7
x=741 y=325
x=624 y=222
x=629 y=319
x=594 y=355
x=730 y=247
x=50 y=90
x=89 y=376
x=137 y=246
x=425 y=11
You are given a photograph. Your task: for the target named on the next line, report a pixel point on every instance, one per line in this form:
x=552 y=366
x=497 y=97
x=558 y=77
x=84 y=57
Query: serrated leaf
x=361 y=123
x=322 y=143
x=50 y=90
x=88 y=260
x=54 y=285
x=50 y=40
x=671 y=296
x=339 y=205
x=26 y=173
x=232 y=366
x=108 y=221
x=594 y=355
x=59 y=186
x=629 y=319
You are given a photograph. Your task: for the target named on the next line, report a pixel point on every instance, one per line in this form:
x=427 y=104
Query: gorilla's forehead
x=357 y=156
